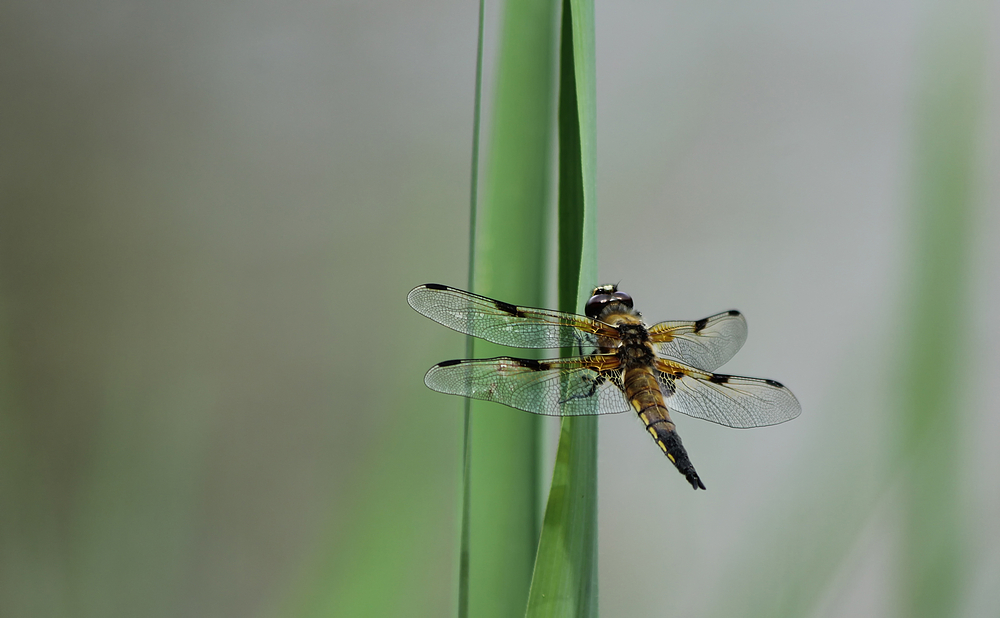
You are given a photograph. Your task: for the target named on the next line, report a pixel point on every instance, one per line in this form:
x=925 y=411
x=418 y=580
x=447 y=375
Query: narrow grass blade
x=509 y=265
x=564 y=582
x=466 y=497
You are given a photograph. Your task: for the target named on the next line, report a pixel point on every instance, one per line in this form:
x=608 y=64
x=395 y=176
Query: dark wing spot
x=700 y=324
x=435 y=286
x=678 y=375
x=733 y=312
x=775 y=383
x=532 y=364
x=506 y=307
x=449 y=363
x=667 y=385
x=719 y=379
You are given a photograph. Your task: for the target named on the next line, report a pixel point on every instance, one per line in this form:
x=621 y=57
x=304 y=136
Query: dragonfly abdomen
x=644 y=394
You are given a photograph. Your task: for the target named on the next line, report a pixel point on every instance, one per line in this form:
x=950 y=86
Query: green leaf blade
x=564 y=583
x=509 y=265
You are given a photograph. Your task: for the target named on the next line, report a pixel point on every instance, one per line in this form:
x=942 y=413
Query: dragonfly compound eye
x=624 y=298
x=596 y=304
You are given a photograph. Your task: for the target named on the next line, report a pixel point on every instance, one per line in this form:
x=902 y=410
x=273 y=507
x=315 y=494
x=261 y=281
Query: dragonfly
x=623 y=365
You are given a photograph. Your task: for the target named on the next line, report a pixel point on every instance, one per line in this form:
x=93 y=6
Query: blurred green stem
x=947 y=122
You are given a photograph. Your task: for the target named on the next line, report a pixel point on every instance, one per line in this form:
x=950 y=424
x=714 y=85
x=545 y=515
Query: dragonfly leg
x=595 y=381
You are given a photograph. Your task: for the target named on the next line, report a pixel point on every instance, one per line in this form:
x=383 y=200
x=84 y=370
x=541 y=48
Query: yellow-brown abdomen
x=644 y=394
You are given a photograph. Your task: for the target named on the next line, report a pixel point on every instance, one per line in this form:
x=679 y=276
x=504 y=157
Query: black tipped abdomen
x=670 y=442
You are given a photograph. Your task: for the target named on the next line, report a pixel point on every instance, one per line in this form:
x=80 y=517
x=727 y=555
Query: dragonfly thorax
x=633 y=346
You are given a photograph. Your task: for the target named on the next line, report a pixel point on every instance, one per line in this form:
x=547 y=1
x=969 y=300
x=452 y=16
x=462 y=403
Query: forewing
x=732 y=401
x=561 y=387
x=706 y=344
x=506 y=324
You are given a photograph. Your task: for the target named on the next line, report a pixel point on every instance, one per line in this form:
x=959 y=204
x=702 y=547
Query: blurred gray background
x=210 y=382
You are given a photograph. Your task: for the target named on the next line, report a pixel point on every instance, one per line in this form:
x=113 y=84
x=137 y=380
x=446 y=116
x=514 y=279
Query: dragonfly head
x=604 y=296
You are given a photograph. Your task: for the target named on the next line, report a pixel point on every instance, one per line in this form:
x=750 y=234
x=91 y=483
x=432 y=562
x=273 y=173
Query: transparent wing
x=506 y=324
x=562 y=387
x=732 y=401
x=706 y=344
